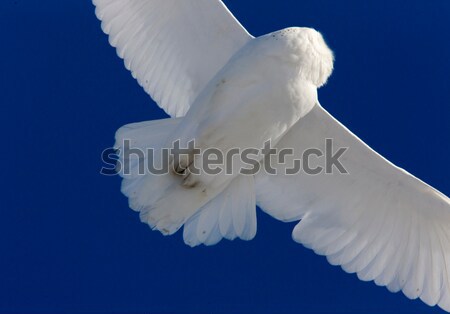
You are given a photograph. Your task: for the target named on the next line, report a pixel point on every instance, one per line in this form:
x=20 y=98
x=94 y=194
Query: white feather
x=232 y=214
x=378 y=221
x=172 y=47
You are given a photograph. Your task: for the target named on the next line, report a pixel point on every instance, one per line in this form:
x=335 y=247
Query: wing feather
x=377 y=221
x=172 y=47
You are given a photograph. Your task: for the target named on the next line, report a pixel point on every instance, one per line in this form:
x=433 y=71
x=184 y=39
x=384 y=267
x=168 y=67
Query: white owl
x=226 y=89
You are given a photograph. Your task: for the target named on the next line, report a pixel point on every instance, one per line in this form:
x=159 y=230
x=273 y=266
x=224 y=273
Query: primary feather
x=378 y=220
x=172 y=47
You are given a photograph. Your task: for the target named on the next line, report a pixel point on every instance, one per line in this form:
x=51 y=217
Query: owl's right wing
x=377 y=221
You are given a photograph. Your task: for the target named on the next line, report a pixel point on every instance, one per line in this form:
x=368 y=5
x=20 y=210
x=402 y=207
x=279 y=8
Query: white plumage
x=172 y=47
x=226 y=89
x=378 y=221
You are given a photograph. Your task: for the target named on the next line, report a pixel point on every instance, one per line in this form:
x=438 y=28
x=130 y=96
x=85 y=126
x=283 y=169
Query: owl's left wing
x=172 y=47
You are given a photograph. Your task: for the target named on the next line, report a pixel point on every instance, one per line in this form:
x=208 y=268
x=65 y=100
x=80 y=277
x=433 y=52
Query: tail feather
x=209 y=214
x=230 y=215
x=132 y=142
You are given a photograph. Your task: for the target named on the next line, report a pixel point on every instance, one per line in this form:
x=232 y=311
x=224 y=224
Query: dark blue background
x=68 y=241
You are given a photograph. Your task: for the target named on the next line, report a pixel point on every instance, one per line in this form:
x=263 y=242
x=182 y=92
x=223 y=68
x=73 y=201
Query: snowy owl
x=227 y=90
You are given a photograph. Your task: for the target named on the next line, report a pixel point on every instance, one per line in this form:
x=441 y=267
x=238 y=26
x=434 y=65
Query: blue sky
x=68 y=241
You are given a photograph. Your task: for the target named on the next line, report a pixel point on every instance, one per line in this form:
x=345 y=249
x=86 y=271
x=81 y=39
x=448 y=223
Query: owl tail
x=166 y=204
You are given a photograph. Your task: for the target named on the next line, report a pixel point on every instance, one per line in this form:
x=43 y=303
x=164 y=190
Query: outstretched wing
x=378 y=220
x=172 y=47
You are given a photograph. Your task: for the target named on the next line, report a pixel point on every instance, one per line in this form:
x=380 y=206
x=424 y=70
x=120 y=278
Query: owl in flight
x=227 y=90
